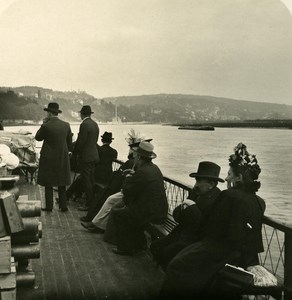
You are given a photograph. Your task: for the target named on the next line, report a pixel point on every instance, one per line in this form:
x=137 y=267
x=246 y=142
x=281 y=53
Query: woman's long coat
x=231 y=234
x=54 y=164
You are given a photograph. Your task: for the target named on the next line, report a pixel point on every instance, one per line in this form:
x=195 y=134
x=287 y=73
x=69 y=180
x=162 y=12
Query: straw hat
x=145 y=149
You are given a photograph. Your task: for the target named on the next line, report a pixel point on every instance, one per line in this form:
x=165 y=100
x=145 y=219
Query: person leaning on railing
x=231 y=234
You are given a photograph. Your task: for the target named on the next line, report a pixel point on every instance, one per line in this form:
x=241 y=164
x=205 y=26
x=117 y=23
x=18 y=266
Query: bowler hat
x=107 y=136
x=208 y=169
x=86 y=110
x=145 y=149
x=53 y=107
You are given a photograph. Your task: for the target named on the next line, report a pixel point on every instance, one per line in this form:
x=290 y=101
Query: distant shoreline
x=272 y=124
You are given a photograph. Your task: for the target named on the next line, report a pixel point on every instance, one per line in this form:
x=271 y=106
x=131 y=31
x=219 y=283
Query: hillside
x=188 y=108
x=28 y=102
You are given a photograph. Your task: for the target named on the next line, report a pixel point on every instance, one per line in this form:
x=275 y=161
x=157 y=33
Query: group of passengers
x=214 y=227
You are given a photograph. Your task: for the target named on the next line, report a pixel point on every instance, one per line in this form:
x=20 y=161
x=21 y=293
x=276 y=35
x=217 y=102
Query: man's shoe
x=86 y=224
x=91 y=228
x=83 y=208
x=47 y=209
x=123 y=252
x=85 y=219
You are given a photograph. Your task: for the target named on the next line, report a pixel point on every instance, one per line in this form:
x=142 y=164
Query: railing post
x=288 y=267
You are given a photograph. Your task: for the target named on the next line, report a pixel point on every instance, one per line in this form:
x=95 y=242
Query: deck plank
x=76 y=264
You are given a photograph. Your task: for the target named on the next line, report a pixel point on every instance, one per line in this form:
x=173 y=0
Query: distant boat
x=194 y=127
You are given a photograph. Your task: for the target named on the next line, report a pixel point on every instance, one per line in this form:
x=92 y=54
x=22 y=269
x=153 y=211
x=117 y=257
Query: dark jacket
x=236 y=220
x=54 y=165
x=85 y=146
x=144 y=193
x=187 y=231
x=103 y=169
x=189 y=219
x=230 y=234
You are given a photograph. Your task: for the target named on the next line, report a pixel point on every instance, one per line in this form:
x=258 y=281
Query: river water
x=180 y=151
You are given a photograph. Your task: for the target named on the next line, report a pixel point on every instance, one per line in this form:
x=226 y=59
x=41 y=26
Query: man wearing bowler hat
x=107 y=154
x=54 y=165
x=190 y=214
x=86 y=151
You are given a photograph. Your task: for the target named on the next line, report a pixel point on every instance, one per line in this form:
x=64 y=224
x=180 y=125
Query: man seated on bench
x=188 y=215
x=144 y=201
x=230 y=234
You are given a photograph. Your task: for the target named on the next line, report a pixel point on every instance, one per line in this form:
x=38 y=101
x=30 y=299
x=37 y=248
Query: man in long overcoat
x=54 y=165
x=86 y=150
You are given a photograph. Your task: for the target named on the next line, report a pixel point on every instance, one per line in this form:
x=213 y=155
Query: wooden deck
x=76 y=264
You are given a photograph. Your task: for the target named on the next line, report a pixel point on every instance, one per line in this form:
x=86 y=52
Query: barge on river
x=195 y=127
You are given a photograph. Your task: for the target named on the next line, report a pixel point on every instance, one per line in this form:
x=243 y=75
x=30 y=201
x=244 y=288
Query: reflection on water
x=180 y=151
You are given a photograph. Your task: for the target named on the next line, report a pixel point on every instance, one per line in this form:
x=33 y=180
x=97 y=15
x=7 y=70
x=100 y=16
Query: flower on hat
x=133 y=137
x=242 y=158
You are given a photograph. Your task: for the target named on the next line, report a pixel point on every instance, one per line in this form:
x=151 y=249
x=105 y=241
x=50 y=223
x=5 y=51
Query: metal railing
x=277 y=237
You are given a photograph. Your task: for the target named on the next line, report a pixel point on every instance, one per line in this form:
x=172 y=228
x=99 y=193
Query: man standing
x=54 y=165
x=86 y=150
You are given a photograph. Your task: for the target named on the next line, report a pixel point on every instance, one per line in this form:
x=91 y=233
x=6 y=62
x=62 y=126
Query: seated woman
x=230 y=234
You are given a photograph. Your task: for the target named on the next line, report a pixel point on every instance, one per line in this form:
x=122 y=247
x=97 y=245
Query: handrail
x=277 y=236
x=285 y=227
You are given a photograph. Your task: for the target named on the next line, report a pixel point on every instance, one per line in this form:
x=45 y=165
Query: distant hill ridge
x=160 y=108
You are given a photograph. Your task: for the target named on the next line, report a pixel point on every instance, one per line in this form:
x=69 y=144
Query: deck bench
x=163 y=229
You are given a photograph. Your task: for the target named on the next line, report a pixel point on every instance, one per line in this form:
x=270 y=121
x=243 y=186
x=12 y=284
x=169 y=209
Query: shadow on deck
x=76 y=264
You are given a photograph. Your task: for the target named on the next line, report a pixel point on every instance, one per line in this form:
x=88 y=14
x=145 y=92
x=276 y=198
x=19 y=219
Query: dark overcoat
x=54 y=165
x=144 y=194
x=187 y=231
x=230 y=234
x=85 y=146
x=236 y=220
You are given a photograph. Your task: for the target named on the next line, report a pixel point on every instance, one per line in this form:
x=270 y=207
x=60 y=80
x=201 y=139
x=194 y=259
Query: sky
x=238 y=49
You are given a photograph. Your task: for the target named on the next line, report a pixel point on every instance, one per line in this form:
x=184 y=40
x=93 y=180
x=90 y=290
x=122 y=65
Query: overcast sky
x=239 y=49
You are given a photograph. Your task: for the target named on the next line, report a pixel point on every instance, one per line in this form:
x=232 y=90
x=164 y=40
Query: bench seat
x=164 y=228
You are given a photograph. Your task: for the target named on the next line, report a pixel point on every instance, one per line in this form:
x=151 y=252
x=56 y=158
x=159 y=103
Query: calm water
x=180 y=151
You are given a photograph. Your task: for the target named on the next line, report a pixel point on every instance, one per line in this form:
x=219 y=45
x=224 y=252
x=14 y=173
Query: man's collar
x=85 y=119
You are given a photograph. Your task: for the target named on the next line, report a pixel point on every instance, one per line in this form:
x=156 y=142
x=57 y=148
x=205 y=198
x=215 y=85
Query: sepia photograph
x=145 y=149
